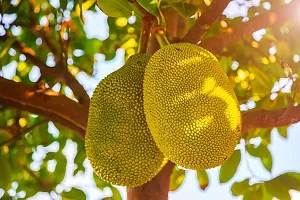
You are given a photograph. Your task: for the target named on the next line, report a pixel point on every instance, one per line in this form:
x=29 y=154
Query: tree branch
x=55 y=107
x=55 y=72
x=60 y=109
x=264 y=20
x=270 y=119
x=210 y=15
x=22 y=132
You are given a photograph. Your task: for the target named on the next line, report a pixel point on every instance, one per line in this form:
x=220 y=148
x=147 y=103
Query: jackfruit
x=190 y=106
x=118 y=142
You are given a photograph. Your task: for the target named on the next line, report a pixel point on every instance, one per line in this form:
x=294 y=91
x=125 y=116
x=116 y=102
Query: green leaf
x=7 y=197
x=255 y=192
x=74 y=193
x=239 y=188
x=5 y=47
x=115 y=8
x=290 y=179
x=4 y=135
x=100 y=183
x=170 y=2
x=60 y=169
x=185 y=9
x=282 y=131
x=63 y=4
x=6 y=173
x=277 y=189
x=229 y=168
x=203 y=179
x=150 y=5
x=79 y=158
x=177 y=178
x=30 y=185
x=263 y=153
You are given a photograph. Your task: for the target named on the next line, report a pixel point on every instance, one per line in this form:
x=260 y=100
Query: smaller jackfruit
x=190 y=106
x=118 y=142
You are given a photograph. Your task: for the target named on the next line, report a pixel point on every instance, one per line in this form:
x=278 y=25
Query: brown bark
x=53 y=106
x=59 y=72
x=60 y=109
x=275 y=16
x=156 y=189
x=210 y=15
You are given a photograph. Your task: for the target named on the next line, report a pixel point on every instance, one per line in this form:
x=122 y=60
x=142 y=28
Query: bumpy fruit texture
x=190 y=106
x=118 y=142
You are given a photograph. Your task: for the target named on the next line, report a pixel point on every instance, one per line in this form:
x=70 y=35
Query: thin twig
x=21 y=133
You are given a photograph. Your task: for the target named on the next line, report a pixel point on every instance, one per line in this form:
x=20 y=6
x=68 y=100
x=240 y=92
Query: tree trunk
x=156 y=189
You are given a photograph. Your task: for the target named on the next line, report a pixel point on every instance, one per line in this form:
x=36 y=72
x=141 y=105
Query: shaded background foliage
x=44 y=44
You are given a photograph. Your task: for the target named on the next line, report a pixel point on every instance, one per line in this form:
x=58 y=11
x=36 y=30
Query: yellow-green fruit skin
x=118 y=142
x=190 y=106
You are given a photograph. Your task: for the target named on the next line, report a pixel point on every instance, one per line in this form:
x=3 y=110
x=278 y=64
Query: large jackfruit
x=118 y=142
x=190 y=106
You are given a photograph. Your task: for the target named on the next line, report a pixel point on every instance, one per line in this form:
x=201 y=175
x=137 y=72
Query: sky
x=284 y=151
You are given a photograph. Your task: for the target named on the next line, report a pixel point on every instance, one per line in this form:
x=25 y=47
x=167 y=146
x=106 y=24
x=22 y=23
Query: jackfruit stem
x=145 y=33
x=162 y=39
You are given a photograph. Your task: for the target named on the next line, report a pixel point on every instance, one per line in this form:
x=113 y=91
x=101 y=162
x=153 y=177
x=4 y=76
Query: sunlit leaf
x=254 y=192
x=229 y=168
x=283 y=131
x=277 y=189
x=239 y=188
x=74 y=193
x=177 y=178
x=261 y=152
x=203 y=179
x=115 y=8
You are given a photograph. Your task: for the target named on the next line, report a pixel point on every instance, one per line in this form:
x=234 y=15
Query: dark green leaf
x=177 y=178
x=60 y=169
x=229 y=168
x=79 y=158
x=4 y=136
x=5 y=173
x=203 y=179
x=185 y=9
x=6 y=45
x=74 y=193
x=150 y=5
x=7 y=197
x=63 y=4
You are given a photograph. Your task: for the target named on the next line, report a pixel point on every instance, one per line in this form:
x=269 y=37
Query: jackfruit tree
x=133 y=99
